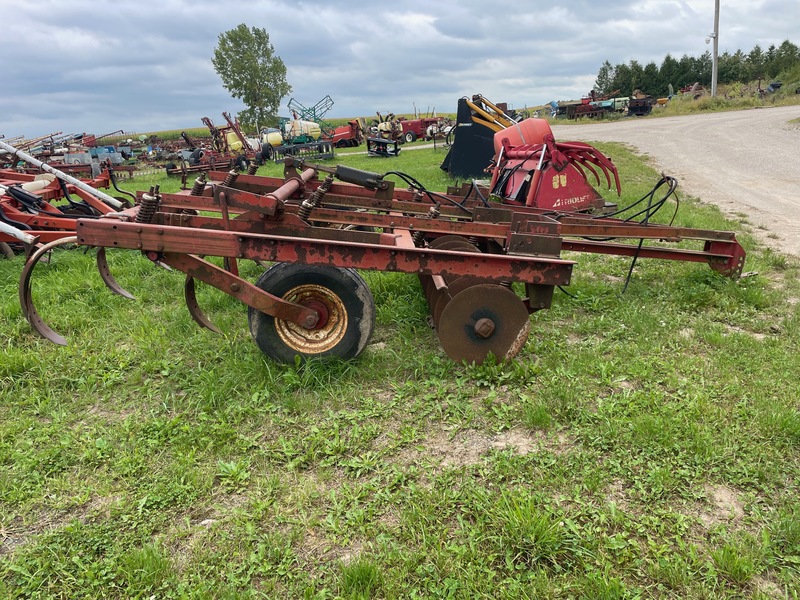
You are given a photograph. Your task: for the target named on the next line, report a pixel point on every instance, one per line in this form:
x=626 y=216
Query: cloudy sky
x=101 y=65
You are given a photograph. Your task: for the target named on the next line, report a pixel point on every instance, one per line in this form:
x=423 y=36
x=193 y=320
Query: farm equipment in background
x=531 y=169
x=305 y=134
x=425 y=128
x=386 y=128
x=385 y=136
x=403 y=130
x=90 y=141
x=641 y=104
x=40 y=207
x=472 y=146
x=229 y=139
x=229 y=148
x=466 y=250
x=349 y=135
x=382 y=147
x=597 y=105
x=35 y=146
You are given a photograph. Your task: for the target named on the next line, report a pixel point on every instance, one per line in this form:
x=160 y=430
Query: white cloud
x=101 y=65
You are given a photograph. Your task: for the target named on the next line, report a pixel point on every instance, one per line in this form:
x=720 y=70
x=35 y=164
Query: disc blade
x=482 y=320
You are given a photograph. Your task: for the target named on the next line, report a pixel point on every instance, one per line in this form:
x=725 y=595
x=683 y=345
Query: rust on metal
x=197 y=314
x=239 y=288
x=26 y=292
x=324 y=252
x=466 y=250
x=108 y=278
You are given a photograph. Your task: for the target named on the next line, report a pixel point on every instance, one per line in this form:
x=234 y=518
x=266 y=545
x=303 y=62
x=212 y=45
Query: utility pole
x=716 y=51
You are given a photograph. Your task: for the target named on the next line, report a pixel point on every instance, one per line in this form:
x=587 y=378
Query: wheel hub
x=330 y=328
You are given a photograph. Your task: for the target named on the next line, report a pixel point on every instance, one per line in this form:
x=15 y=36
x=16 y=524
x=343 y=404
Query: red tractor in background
x=423 y=128
x=402 y=130
x=346 y=136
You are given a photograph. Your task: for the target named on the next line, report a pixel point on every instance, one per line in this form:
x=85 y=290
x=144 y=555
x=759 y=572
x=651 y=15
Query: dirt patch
x=730 y=329
x=462 y=449
x=767 y=587
x=446 y=448
x=723 y=506
x=617 y=494
x=109 y=416
x=18 y=532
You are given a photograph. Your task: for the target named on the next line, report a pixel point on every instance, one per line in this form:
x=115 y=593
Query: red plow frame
x=467 y=252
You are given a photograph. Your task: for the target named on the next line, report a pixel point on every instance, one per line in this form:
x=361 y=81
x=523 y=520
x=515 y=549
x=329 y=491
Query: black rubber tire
x=410 y=136
x=267 y=152
x=351 y=313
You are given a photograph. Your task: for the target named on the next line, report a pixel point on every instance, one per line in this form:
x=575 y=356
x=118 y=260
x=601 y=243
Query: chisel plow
x=484 y=266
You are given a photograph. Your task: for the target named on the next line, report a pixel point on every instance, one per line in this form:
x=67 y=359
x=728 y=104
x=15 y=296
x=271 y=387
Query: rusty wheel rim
x=329 y=331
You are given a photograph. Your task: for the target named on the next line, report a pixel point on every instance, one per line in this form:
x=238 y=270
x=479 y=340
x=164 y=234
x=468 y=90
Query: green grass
x=642 y=445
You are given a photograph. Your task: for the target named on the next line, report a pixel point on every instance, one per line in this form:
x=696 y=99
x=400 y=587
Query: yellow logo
x=559 y=180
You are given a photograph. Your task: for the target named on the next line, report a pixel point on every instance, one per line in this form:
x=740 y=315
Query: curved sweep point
x=108 y=279
x=26 y=297
x=194 y=308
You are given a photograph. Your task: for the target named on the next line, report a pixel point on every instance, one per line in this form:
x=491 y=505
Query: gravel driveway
x=746 y=162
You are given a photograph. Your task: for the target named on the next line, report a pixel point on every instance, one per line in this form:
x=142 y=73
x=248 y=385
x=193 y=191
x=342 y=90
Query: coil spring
x=315 y=198
x=149 y=205
x=230 y=179
x=419 y=236
x=199 y=185
x=251 y=170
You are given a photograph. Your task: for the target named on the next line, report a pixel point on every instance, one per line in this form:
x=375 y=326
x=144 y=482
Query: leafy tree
x=688 y=73
x=251 y=71
x=637 y=75
x=651 y=83
x=755 y=62
x=781 y=61
x=668 y=72
x=605 y=79
x=622 y=79
x=732 y=67
x=786 y=56
x=704 y=68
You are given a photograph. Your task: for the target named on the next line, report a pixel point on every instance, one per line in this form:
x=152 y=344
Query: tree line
x=655 y=80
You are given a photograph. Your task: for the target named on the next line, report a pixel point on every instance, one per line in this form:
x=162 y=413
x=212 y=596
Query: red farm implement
x=484 y=265
x=45 y=207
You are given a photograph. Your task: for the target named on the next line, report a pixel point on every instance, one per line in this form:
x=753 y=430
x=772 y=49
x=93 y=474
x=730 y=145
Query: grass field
x=643 y=444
